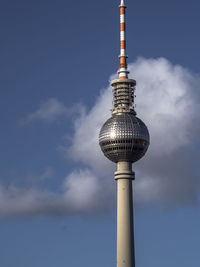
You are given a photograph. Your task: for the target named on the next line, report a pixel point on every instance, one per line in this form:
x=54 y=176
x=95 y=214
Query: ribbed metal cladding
x=124 y=137
x=123 y=95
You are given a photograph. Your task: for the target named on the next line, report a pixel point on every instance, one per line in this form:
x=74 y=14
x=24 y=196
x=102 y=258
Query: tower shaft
x=124 y=139
x=125 y=236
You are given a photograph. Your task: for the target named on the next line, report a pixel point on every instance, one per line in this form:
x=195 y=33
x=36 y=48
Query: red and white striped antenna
x=123 y=72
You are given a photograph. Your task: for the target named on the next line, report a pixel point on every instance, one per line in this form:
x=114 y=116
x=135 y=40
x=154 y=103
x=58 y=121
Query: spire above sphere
x=122 y=3
x=123 y=72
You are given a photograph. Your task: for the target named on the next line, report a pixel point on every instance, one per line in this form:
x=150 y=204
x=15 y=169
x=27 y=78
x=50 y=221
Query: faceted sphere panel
x=124 y=137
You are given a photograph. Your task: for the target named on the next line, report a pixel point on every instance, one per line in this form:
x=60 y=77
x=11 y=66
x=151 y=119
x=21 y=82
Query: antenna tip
x=122 y=3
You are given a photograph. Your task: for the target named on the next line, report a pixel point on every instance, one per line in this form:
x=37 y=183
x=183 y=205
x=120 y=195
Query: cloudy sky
x=57 y=191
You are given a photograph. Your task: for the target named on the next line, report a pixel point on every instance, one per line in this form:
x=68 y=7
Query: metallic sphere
x=124 y=137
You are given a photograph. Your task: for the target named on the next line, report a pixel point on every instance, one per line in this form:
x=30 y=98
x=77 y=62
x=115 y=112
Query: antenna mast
x=123 y=73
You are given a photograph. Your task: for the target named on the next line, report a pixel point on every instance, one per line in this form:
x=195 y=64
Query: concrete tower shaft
x=125 y=234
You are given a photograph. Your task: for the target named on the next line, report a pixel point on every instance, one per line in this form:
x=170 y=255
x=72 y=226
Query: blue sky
x=57 y=192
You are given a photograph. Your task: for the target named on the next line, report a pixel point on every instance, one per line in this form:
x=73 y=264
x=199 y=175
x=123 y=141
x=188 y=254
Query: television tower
x=124 y=139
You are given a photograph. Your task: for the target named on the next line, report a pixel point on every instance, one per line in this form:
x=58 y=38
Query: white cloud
x=81 y=188
x=168 y=102
x=85 y=140
x=50 y=110
x=80 y=193
x=23 y=202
